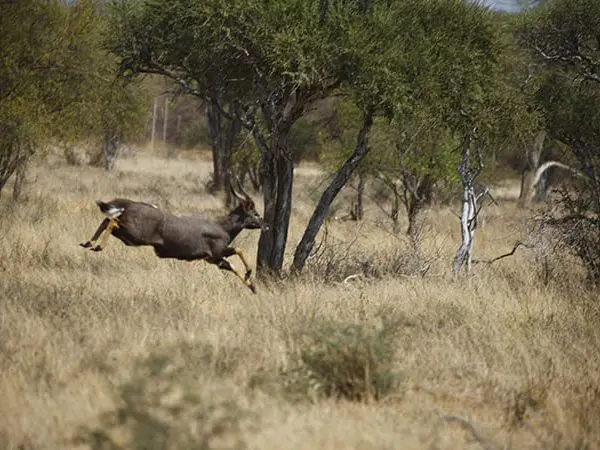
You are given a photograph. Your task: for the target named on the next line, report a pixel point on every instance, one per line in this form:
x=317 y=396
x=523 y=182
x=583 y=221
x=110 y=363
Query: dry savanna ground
x=119 y=349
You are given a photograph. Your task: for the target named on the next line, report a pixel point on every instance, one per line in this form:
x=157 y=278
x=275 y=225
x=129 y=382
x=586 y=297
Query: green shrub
x=351 y=361
x=340 y=360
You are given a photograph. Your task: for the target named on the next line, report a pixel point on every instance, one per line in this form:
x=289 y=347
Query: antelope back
x=140 y=221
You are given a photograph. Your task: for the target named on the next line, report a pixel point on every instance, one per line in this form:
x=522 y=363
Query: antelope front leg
x=238 y=251
x=224 y=265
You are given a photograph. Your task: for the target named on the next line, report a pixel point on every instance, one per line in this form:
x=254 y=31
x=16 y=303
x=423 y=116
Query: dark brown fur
x=187 y=238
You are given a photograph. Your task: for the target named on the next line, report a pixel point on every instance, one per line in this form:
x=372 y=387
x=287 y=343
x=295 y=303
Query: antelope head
x=246 y=209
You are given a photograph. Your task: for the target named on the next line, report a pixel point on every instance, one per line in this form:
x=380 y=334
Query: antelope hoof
x=248 y=275
x=88 y=244
x=97 y=248
x=251 y=286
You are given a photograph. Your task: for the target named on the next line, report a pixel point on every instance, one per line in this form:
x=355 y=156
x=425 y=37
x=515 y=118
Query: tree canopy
x=273 y=59
x=58 y=82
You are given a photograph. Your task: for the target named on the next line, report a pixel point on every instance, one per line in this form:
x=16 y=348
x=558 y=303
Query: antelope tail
x=109 y=210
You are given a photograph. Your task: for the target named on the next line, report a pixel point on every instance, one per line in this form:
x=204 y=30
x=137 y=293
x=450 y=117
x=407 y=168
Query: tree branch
x=548 y=164
x=512 y=252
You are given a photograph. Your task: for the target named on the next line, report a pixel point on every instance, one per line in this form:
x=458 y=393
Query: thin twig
x=512 y=252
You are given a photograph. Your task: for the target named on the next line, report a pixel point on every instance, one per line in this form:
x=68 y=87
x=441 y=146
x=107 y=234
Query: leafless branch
x=512 y=252
x=574 y=59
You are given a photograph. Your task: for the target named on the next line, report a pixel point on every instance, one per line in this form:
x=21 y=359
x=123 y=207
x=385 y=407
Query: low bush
x=339 y=360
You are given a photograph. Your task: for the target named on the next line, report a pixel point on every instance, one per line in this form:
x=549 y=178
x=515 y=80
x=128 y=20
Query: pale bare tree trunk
x=153 y=133
x=468 y=215
x=165 y=122
x=464 y=254
x=528 y=175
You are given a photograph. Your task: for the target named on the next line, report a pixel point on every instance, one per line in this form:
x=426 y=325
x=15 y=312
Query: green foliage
x=454 y=70
x=415 y=144
x=57 y=81
x=351 y=361
x=221 y=48
x=563 y=37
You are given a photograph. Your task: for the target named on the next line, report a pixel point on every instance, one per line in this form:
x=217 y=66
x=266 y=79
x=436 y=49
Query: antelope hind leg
x=102 y=234
x=112 y=225
x=92 y=242
x=224 y=265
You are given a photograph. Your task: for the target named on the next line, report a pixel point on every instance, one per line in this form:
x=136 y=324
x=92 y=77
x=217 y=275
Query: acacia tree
x=419 y=156
x=563 y=37
x=37 y=77
x=271 y=58
x=426 y=42
x=57 y=82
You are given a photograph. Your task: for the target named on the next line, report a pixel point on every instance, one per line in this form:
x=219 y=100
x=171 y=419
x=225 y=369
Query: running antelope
x=186 y=238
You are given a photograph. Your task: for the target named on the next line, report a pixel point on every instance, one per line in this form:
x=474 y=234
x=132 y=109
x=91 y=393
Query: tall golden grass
x=119 y=349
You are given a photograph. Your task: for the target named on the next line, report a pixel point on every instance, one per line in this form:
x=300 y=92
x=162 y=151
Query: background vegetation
x=381 y=136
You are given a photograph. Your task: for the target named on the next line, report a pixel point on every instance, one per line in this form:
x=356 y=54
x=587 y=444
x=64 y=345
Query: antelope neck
x=232 y=224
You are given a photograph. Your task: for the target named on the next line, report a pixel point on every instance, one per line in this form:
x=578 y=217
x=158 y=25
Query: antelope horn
x=232 y=188
x=240 y=188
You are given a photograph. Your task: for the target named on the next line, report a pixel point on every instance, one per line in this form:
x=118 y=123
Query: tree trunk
x=267 y=237
x=532 y=162
x=213 y=123
x=277 y=172
x=285 y=177
x=360 y=194
x=222 y=132
x=419 y=197
x=110 y=150
x=20 y=176
x=541 y=189
x=464 y=254
x=395 y=212
x=468 y=216
x=341 y=178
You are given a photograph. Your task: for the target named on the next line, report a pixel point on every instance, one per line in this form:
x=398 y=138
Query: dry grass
x=121 y=350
